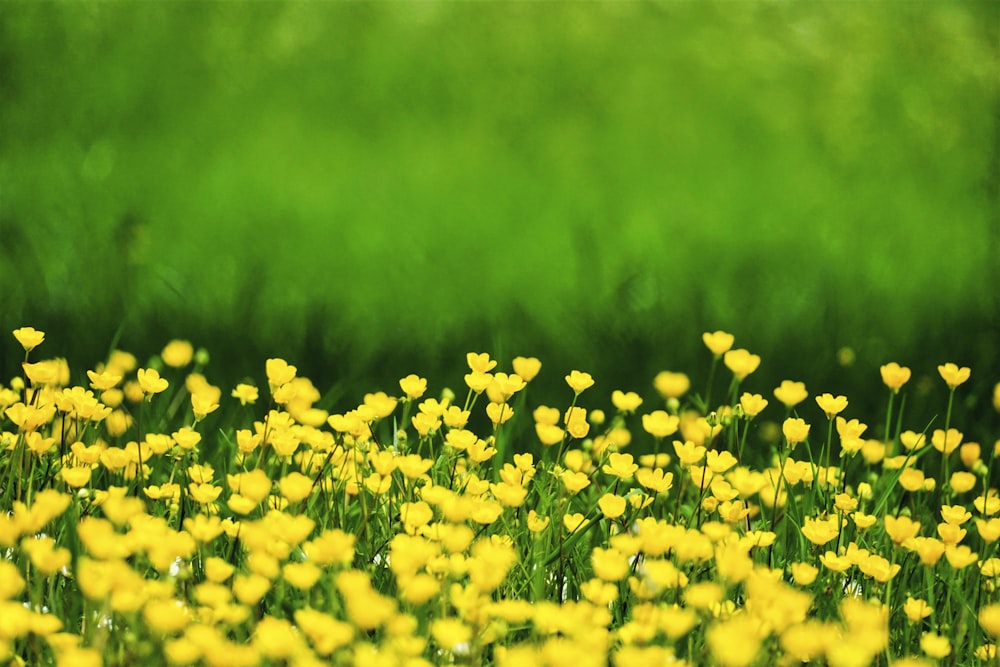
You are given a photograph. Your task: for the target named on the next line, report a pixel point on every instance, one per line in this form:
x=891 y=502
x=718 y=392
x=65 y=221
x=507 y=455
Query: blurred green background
x=374 y=189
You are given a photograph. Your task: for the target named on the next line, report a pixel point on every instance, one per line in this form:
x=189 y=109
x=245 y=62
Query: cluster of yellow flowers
x=393 y=533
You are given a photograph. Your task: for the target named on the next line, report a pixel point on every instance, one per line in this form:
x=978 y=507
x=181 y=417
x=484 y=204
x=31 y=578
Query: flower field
x=149 y=517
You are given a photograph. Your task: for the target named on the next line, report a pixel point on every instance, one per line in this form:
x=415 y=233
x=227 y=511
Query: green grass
x=363 y=184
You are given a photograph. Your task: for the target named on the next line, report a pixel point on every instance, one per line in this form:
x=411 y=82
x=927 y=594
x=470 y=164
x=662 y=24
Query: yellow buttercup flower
x=177 y=353
x=795 y=430
x=953 y=375
x=150 y=381
x=831 y=405
x=791 y=393
x=741 y=362
x=916 y=609
x=752 y=404
x=612 y=506
x=718 y=342
x=29 y=337
x=413 y=386
x=625 y=402
x=579 y=381
x=671 y=385
x=660 y=423
x=526 y=367
x=894 y=376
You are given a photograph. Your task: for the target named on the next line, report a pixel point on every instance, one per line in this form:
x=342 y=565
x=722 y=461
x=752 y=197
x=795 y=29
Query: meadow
x=148 y=516
x=499 y=333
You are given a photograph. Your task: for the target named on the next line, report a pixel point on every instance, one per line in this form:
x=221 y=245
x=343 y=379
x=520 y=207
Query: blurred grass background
x=374 y=189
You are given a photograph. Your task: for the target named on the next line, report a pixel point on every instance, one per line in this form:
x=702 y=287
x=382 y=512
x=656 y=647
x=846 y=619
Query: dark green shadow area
x=374 y=189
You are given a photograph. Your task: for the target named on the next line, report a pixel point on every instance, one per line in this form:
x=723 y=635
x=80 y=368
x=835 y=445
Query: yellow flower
x=718 y=342
x=671 y=385
x=620 y=465
x=989 y=619
x=960 y=556
x=579 y=381
x=302 y=576
x=741 y=362
x=478 y=381
x=795 y=430
x=612 y=506
x=576 y=422
x=831 y=405
x=625 y=402
x=177 y=353
x=719 y=461
x=526 y=367
x=537 y=523
x=609 y=564
x=916 y=610
x=499 y=413
x=246 y=393
x=894 y=376
x=279 y=372
x=573 y=521
x=480 y=362
x=791 y=393
x=752 y=404
x=935 y=645
x=688 y=453
x=989 y=530
x=549 y=434
x=660 y=424
x=900 y=528
x=29 y=337
x=150 y=381
x=804 y=573
x=574 y=481
x=953 y=375
x=820 y=531
x=413 y=386
x=955 y=514
x=655 y=479
x=946 y=442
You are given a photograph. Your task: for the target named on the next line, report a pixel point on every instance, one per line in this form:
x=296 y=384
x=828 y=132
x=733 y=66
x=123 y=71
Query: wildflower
x=688 y=453
x=960 y=556
x=526 y=367
x=946 y=442
x=499 y=413
x=177 y=353
x=413 y=386
x=625 y=402
x=246 y=393
x=579 y=381
x=718 y=342
x=894 y=376
x=953 y=375
x=734 y=642
x=900 y=528
x=671 y=385
x=660 y=424
x=791 y=393
x=576 y=422
x=989 y=530
x=741 y=362
x=831 y=405
x=916 y=610
x=804 y=573
x=29 y=337
x=835 y=562
x=574 y=481
x=150 y=381
x=612 y=506
x=279 y=373
x=752 y=404
x=302 y=576
x=573 y=521
x=795 y=430
x=655 y=480
x=451 y=634
x=477 y=381
x=719 y=461
x=537 y=523
x=912 y=479
x=480 y=362
x=989 y=619
x=935 y=645
x=620 y=465
x=820 y=531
